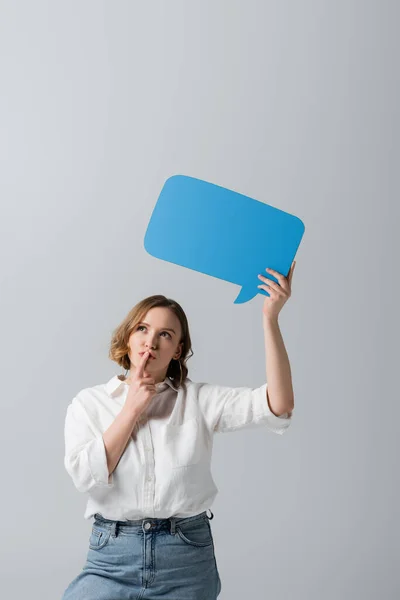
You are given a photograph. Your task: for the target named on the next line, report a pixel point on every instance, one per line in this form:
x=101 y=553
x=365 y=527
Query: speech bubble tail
x=245 y=295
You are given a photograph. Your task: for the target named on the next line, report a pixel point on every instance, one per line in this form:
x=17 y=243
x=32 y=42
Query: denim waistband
x=156 y=524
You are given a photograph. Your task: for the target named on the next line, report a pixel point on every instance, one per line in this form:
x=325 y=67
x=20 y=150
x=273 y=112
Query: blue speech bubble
x=213 y=230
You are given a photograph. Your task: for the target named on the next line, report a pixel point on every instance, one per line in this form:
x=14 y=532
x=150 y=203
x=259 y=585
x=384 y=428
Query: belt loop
x=114 y=528
x=212 y=516
x=172 y=519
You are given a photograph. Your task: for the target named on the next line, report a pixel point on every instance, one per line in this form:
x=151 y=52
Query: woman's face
x=159 y=332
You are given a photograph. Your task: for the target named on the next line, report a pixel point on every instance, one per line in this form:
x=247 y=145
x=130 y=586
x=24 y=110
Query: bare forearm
x=116 y=437
x=280 y=394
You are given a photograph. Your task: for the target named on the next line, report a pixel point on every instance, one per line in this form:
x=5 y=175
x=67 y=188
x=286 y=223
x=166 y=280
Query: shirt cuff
x=274 y=423
x=97 y=461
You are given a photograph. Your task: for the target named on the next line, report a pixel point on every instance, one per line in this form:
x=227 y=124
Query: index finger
x=142 y=364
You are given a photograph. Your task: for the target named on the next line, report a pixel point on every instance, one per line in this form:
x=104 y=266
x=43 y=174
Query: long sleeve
x=229 y=409
x=85 y=454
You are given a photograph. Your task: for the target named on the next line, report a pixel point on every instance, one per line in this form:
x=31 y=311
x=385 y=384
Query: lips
x=151 y=355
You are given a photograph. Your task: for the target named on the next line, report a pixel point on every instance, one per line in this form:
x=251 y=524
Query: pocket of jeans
x=195 y=533
x=99 y=537
x=182 y=444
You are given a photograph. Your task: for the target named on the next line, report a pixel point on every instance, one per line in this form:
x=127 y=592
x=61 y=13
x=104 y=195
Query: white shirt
x=165 y=468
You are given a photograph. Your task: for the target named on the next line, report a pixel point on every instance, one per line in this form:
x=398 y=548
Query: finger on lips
x=142 y=364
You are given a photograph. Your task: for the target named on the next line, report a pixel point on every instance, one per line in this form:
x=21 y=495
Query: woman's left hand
x=279 y=293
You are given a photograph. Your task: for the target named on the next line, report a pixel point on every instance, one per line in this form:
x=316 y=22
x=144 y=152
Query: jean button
x=147 y=526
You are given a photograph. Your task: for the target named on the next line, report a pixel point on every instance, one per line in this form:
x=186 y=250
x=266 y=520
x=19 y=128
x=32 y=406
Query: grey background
x=292 y=103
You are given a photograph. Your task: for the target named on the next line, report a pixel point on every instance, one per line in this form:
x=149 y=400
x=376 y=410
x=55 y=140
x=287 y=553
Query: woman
x=141 y=446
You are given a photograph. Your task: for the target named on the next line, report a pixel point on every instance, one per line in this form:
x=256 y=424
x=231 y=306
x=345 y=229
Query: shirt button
x=149 y=478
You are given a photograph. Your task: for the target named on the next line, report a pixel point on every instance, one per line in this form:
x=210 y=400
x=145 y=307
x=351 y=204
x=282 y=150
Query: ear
x=179 y=351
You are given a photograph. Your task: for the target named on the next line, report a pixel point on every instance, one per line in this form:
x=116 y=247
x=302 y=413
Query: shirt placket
x=149 y=468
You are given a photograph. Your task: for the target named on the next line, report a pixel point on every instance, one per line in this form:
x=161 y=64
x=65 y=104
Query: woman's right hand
x=142 y=387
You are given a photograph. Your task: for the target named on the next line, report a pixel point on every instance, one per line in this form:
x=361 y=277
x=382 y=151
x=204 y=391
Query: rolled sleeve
x=85 y=454
x=229 y=409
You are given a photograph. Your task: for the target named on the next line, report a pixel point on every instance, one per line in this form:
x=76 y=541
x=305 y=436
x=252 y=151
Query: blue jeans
x=172 y=559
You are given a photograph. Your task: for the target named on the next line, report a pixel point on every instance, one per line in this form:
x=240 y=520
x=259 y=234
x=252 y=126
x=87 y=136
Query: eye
x=143 y=327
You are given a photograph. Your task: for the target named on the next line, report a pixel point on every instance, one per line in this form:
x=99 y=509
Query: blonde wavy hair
x=120 y=336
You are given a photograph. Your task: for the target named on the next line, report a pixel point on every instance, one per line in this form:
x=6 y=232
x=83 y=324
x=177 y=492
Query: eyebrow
x=162 y=329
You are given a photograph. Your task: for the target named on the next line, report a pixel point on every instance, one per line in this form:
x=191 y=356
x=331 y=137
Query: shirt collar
x=115 y=385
